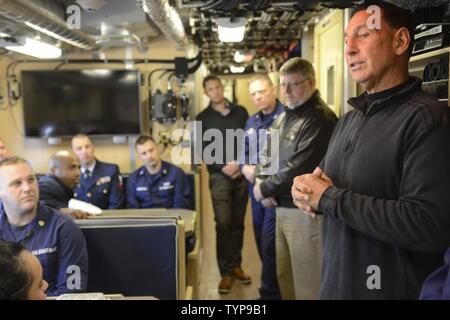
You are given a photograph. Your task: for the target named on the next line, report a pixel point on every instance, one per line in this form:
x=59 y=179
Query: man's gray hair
x=298 y=65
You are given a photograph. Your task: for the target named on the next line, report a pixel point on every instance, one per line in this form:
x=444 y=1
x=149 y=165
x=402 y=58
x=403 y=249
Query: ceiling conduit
x=36 y=16
x=167 y=19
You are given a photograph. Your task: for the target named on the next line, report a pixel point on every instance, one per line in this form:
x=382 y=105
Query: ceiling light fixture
x=236 y=69
x=37 y=49
x=231 y=30
x=238 y=57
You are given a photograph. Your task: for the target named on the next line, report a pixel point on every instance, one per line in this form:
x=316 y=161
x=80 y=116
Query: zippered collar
x=228 y=105
x=360 y=103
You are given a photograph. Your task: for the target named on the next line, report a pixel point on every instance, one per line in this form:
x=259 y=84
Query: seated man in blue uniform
x=51 y=236
x=56 y=188
x=157 y=184
x=100 y=182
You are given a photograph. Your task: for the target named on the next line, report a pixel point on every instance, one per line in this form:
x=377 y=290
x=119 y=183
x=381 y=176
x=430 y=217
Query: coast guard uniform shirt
x=102 y=186
x=166 y=189
x=59 y=245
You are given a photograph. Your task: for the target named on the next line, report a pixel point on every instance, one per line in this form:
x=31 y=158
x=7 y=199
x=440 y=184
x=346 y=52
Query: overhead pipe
x=197 y=60
x=36 y=16
x=167 y=19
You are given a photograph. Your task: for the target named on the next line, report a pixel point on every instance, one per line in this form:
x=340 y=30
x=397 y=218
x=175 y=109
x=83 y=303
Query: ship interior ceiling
x=273 y=29
x=116 y=33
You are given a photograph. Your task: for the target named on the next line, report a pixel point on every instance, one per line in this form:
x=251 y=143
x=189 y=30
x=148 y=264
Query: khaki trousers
x=298 y=242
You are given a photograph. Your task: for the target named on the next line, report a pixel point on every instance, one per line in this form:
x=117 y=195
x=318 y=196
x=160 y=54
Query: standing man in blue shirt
x=157 y=184
x=100 y=182
x=52 y=237
x=263 y=94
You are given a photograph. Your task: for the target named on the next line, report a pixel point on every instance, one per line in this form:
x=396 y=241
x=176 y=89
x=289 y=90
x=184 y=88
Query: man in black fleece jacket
x=56 y=188
x=383 y=186
x=304 y=131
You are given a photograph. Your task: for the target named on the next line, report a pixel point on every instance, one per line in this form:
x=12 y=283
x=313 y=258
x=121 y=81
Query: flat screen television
x=95 y=101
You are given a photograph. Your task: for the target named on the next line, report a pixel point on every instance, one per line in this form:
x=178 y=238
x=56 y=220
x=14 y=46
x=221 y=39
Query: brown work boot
x=225 y=284
x=239 y=274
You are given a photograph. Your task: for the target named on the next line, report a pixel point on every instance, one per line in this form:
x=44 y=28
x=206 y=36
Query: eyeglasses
x=293 y=84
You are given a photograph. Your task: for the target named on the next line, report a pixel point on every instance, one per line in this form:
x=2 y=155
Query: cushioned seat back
x=134 y=257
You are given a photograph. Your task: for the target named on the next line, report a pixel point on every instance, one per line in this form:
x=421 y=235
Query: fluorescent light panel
x=37 y=49
x=56 y=36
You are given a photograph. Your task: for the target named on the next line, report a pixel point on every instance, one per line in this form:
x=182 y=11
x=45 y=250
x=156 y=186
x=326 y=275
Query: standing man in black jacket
x=304 y=131
x=383 y=186
x=228 y=187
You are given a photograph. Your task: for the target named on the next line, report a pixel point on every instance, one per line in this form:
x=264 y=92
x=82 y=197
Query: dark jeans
x=229 y=199
x=264 y=229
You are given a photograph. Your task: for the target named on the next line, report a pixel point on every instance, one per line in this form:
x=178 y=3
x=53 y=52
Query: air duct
x=166 y=18
x=37 y=15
